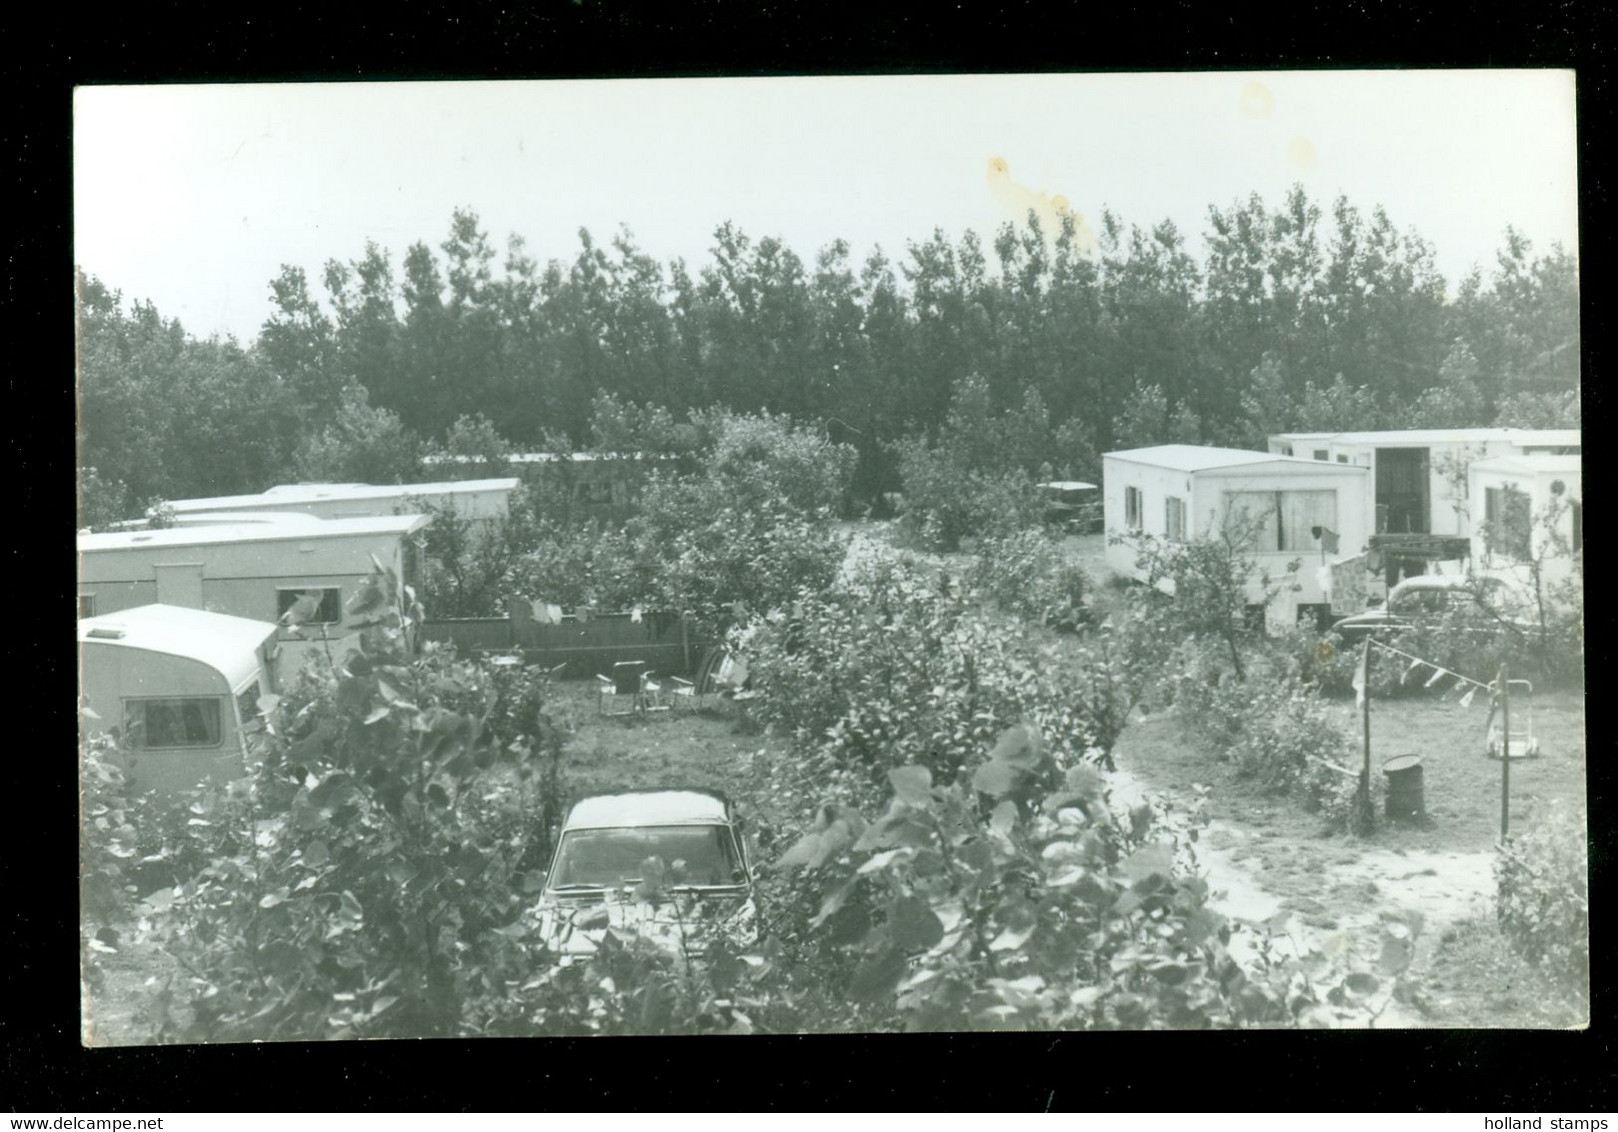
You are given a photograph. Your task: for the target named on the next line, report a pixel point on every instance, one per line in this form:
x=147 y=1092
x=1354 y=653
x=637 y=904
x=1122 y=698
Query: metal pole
x=1365 y=718
x=1505 y=757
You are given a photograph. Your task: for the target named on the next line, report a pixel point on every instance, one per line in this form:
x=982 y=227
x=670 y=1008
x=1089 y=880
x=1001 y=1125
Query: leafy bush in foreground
x=381 y=851
x=1038 y=909
x=1543 y=897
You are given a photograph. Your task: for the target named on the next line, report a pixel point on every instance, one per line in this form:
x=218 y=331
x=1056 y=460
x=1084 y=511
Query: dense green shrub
x=376 y=857
x=1543 y=897
x=945 y=501
x=589 y=564
x=977 y=476
x=748 y=530
x=1026 y=574
x=1273 y=726
x=1039 y=910
x=896 y=665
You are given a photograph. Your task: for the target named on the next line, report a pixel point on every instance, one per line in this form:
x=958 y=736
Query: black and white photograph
x=856 y=554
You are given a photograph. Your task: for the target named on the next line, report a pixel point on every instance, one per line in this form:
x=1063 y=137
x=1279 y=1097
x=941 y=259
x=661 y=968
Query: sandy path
x=1363 y=892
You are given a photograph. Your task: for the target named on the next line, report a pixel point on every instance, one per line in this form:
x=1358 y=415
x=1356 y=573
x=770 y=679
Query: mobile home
x=1303 y=509
x=179 y=687
x=247 y=569
x=1418 y=483
x=1528 y=508
x=480 y=501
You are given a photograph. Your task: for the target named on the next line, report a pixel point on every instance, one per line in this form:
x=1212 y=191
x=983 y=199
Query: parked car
x=1425 y=597
x=1073 y=504
x=616 y=849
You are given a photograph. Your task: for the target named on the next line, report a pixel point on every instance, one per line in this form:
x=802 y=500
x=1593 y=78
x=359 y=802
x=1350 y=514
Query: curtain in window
x=1256 y=511
x=1174 y=518
x=1301 y=511
x=1132 y=508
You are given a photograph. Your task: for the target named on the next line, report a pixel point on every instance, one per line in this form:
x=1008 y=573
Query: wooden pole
x=1365 y=718
x=1505 y=757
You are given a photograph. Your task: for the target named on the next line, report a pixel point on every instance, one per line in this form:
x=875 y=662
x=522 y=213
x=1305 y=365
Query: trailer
x=253 y=569
x=179 y=689
x=1296 y=510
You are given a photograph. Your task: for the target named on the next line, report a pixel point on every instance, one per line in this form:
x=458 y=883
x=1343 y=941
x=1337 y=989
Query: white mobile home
x=1418 y=475
x=480 y=501
x=248 y=569
x=180 y=688
x=1526 y=508
x=1306 y=509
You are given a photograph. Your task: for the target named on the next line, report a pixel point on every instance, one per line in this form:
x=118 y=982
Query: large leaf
x=817 y=847
x=997 y=779
x=1018 y=746
x=879 y=975
x=912 y=784
x=894 y=831
x=1147 y=861
x=912 y=924
x=834 y=899
x=1004 y=818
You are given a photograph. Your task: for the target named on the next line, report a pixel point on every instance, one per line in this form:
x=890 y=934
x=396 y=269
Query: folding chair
x=651 y=695
x=624 y=689
x=692 y=691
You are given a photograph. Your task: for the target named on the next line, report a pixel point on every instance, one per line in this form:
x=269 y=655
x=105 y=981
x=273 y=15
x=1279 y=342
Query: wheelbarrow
x=1522 y=743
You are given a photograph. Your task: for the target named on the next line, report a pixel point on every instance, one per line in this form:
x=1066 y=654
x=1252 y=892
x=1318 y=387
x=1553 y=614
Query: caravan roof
x=1521 y=437
x=1196 y=458
x=254 y=530
x=223 y=642
x=1531 y=463
x=292 y=494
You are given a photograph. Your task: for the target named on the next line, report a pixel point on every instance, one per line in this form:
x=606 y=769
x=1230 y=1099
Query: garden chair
x=691 y=691
x=624 y=689
x=652 y=697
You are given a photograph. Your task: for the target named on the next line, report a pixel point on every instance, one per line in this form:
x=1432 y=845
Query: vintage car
x=1488 y=601
x=1073 y=505
x=669 y=865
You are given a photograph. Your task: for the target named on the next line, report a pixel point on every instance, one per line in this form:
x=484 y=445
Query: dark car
x=1427 y=597
x=1073 y=505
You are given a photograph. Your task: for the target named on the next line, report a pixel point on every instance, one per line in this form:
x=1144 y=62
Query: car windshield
x=606 y=858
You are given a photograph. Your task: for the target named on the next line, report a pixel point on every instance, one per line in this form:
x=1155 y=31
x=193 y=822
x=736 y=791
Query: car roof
x=649 y=807
x=1432 y=583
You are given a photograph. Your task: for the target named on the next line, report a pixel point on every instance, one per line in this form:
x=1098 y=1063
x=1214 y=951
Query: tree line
x=1294 y=317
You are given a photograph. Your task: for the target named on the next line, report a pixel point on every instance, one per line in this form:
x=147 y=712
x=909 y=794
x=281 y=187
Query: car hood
x=575 y=925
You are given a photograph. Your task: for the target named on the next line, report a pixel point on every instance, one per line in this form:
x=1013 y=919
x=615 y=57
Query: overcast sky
x=193 y=196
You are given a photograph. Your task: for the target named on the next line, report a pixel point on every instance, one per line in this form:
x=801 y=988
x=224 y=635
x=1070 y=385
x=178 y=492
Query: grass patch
x=1476 y=980
x=1461 y=785
x=711 y=747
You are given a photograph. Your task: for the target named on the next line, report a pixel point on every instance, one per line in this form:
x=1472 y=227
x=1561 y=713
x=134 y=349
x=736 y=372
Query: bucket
x=1406 y=801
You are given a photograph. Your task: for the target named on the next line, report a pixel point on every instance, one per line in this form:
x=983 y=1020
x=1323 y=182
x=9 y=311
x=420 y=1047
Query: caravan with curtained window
x=1293 y=509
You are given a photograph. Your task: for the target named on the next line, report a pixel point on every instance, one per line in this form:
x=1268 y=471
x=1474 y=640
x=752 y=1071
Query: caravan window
x=1284 y=520
x=1507 y=519
x=190 y=722
x=1174 y=518
x=328 y=612
x=87 y=606
x=1134 y=506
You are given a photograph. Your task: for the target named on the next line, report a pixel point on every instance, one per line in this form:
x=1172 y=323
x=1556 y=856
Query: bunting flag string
x=1417 y=662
